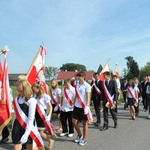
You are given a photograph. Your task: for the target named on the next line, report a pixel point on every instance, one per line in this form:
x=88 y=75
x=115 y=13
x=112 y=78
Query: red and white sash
x=53 y=99
x=48 y=125
x=22 y=119
x=107 y=94
x=68 y=98
x=88 y=113
x=97 y=89
x=131 y=93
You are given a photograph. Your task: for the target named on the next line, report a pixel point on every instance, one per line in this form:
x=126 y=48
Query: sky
x=87 y=32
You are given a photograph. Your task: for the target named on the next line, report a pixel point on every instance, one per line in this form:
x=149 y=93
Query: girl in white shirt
x=67 y=105
x=132 y=97
x=43 y=101
x=55 y=93
x=28 y=105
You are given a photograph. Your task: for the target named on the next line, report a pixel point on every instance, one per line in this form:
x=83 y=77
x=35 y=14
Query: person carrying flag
x=109 y=97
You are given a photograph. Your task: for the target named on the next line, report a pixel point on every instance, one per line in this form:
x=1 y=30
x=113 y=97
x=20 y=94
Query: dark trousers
x=145 y=102
x=113 y=114
x=5 y=132
x=97 y=110
x=64 y=116
x=148 y=100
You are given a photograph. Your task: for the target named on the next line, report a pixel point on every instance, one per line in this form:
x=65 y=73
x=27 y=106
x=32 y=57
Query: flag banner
x=5 y=100
x=36 y=71
x=116 y=72
x=99 y=69
x=105 y=68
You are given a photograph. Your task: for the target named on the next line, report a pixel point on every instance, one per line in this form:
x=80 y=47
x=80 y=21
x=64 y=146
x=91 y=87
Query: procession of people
x=33 y=108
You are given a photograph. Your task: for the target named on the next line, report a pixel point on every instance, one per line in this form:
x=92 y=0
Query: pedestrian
x=132 y=97
x=96 y=98
x=118 y=88
x=148 y=94
x=67 y=105
x=124 y=91
x=81 y=108
x=55 y=93
x=24 y=106
x=144 y=96
x=109 y=98
x=41 y=116
x=138 y=85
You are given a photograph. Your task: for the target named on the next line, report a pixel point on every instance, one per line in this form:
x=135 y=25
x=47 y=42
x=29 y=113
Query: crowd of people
x=34 y=109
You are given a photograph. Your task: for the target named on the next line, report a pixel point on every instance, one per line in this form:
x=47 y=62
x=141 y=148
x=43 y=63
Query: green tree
x=132 y=68
x=72 y=67
x=51 y=72
x=144 y=71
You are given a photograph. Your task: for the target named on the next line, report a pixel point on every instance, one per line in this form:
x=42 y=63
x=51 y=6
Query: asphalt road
x=130 y=135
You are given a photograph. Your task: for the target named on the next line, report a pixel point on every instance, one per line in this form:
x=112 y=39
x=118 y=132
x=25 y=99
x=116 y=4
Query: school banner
x=36 y=70
x=5 y=100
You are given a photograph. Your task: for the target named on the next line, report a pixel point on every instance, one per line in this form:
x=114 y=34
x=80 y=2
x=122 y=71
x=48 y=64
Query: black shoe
x=96 y=123
x=115 y=124
x=5 y=140
x=105 y=127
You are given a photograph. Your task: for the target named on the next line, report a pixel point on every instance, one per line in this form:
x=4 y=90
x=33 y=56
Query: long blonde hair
x=40 y=87
x=26 y=88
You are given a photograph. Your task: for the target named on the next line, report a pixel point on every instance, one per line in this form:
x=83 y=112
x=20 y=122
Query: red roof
x=71 y=74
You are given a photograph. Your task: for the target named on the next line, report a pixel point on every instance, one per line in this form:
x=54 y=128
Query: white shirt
x=55 y=93
x=31 y=112
x=82 y=90
x=133 y=90
x=118 y=84
x=43 y=101
x=71 y=94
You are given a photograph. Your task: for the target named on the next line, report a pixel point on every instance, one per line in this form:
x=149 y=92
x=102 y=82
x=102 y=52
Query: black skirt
x=131 y=101
x=39 y=121
x=18 y=130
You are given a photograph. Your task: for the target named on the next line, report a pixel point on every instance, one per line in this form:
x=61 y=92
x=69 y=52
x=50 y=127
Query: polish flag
x=105 y=68
x=36 y=71
x=116 y=72
x=5 y=101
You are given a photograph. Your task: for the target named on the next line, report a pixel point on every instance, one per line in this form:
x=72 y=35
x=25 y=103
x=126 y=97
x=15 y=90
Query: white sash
x=22 y=119
x=108 y=96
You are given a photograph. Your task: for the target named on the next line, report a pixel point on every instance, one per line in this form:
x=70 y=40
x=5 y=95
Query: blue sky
x=88 y=32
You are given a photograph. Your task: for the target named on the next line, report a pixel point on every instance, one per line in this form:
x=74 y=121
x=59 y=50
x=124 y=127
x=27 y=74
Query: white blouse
x=71 y=94
x=82 y=90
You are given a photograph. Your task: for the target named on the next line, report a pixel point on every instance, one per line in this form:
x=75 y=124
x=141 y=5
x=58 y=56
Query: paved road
x=130 y=135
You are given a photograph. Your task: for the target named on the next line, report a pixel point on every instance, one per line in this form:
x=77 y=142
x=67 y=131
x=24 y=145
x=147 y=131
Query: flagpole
x=33 y=62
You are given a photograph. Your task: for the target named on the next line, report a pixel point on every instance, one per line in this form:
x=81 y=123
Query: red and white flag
x=36 y=71
x=116 y=72
x=5 y=101
x=105 y=68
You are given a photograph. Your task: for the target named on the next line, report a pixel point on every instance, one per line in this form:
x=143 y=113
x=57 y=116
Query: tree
x=144 y=71
x=72 y=67
x=132 y=68
x=51 y=72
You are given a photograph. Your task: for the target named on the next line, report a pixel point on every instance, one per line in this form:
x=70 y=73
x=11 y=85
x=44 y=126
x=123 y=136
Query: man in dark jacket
x=109 y=95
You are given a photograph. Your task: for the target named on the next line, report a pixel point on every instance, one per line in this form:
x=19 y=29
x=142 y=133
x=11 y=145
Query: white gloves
x=48 y=118
x=24 y=139
x=86 y=110
x=55 y=108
